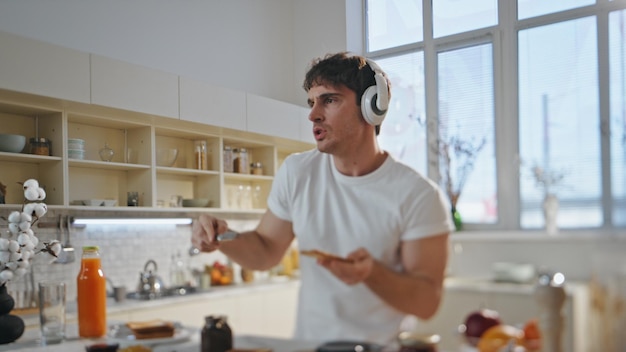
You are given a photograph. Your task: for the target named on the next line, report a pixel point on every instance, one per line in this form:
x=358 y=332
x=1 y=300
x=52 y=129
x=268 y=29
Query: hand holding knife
x=227 y=236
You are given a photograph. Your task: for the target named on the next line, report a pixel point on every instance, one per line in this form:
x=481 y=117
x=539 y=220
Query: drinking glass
x=52 y=312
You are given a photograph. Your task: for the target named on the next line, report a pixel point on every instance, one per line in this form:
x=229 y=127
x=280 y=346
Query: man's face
x=337 y=120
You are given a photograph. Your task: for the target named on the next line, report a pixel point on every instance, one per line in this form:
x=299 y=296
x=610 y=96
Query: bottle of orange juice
x=91 y=298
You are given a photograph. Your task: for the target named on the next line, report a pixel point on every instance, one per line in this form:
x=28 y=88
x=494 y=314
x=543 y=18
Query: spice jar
x=256 y=168
x=241 y=161
x=228 y=159
x=40 y=146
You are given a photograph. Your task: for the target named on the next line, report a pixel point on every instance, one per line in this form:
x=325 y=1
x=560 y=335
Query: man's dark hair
x=344 y=69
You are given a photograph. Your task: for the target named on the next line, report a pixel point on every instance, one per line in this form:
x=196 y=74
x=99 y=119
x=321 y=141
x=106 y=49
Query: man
x=352 y=199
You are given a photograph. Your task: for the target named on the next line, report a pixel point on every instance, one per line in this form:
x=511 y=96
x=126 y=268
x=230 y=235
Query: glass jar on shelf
x=256 y=168
x=40 y=146
x=200 y=155
x=106 y=153
x=241 y=162
x=228 y=159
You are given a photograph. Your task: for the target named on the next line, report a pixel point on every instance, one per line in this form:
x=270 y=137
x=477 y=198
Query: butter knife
x=227 y=236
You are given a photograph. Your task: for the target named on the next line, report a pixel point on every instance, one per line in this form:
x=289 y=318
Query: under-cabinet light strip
x=134 y=221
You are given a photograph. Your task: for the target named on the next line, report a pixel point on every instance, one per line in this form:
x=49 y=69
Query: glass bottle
x=91 y=294
x=216 y=335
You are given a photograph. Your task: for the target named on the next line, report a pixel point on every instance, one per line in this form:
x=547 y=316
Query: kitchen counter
x=30 y=343
x=214 y=293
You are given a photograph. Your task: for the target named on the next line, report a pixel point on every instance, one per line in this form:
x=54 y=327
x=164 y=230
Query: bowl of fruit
x=485 y=331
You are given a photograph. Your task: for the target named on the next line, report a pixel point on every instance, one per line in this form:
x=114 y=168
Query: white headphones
x=375 y=99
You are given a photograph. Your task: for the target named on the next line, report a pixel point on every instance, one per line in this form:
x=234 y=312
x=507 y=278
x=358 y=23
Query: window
x=558 y=121
x=527 y=77
x=617 y=64
x=532 y=8
x=393 y=23
x=454 y=16
x=403 y=134
x=465 y=115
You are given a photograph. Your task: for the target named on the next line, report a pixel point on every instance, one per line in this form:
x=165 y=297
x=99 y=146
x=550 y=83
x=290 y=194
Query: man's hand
x=204 y=232
x=351 y=273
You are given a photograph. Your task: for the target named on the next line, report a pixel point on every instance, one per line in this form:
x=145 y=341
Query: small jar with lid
x=40 y=146
x=256 y=168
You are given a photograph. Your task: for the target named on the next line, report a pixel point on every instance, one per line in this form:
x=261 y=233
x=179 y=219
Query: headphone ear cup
x=369 y=109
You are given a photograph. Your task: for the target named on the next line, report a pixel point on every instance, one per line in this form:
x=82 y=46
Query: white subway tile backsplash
x=124 y=250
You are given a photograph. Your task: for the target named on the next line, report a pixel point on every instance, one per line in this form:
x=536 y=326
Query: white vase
x=550 y=213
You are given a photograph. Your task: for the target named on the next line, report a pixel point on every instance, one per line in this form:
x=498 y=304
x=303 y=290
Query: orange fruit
x=216 y=276
x=225 y=280
x=500 y=336
x=532 y=335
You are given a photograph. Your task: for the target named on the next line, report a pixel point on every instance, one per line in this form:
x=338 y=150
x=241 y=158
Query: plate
x=121 y=334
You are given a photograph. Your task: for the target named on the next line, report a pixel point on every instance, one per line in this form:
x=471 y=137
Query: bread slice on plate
x=151 y=329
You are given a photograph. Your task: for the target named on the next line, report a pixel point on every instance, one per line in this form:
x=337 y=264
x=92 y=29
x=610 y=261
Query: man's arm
x=260 y=249
x=417 y=290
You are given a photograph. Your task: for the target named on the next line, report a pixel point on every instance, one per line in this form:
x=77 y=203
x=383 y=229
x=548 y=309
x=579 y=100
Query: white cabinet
x=59 y=94
x=36 y=67
x=132 y=87
x=212 y=105
x=272 y=117
x=267 y=311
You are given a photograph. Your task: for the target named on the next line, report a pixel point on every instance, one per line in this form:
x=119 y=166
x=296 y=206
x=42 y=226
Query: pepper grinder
x=550 y=295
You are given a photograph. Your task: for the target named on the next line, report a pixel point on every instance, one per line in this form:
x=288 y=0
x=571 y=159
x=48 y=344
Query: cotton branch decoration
x=20 y=245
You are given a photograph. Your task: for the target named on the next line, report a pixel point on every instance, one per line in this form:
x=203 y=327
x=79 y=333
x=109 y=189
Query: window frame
x=504 y=39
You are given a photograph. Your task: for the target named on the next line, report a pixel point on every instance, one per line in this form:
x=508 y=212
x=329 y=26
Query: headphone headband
x=375 y=99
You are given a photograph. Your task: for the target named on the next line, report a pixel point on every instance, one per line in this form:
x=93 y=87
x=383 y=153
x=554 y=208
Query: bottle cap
x=91 y=248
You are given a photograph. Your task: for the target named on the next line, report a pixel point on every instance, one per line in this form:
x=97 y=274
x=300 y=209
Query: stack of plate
x=76 y=148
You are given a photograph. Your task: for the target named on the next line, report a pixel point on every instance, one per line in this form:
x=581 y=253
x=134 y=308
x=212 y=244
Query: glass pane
x=532 y=8
x=558 y=122
x=466 y=125
x=393 y=23
x=453 y=16
x=617 y=62
x=403 y=133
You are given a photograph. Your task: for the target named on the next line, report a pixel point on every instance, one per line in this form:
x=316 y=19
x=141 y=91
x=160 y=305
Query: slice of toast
x=316 y=253
x=151 y=329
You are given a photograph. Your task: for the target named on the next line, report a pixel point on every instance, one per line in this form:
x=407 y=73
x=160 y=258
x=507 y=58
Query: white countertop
x=30 y=343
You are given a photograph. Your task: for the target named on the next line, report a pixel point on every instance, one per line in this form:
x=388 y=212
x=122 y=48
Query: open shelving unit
x=135 y=139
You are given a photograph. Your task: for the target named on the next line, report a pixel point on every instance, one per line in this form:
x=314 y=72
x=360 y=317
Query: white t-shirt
x=338 y=214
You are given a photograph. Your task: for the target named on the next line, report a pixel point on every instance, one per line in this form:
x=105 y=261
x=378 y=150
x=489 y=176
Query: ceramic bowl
x=12 y=143
x=166 y=157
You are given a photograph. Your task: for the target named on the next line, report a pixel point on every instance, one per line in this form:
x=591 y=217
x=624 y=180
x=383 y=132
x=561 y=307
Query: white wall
x=258 y=46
